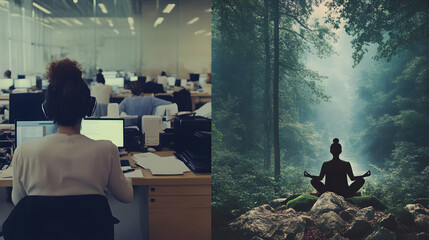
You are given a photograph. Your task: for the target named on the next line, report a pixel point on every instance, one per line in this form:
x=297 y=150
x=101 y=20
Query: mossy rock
x=302 y=203
x=366 y=201
x=402 y=215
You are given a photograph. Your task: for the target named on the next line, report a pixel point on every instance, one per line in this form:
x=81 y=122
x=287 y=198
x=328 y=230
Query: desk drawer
x=190 y=190
x=179 y=202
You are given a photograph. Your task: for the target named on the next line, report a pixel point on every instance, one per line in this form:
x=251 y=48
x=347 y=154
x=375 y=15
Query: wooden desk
x=179 y=207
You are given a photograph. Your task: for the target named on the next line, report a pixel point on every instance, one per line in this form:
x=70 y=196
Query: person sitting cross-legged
x=336 y=171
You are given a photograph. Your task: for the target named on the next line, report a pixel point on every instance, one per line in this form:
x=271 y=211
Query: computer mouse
x=149 y=149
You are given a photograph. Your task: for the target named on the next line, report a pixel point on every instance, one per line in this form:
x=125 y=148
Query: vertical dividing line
x=9 y=34
x=177 y=38
x=276 y=91
x=94 y=3
x=23 y=41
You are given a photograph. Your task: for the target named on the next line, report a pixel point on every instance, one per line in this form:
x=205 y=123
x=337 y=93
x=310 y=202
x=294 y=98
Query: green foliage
x=366 y=201
x=395 y=26
x=402 y=215
x=302 y=203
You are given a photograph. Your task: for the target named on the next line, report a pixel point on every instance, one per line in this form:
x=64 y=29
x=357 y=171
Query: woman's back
x=61 y=164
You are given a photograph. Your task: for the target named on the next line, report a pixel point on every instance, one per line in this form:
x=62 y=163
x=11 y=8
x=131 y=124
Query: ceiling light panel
x=169 y=8
x=103 y=8
x=158 y=21
x=41 y=8
x=192 y=21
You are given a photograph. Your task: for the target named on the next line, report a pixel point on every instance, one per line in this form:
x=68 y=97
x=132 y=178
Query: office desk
x=177 y=207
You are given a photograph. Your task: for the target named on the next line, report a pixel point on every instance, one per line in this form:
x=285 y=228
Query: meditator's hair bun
x=336 y=140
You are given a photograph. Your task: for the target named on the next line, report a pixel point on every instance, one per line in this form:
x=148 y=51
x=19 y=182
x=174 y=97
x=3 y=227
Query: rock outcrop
x=331 y=217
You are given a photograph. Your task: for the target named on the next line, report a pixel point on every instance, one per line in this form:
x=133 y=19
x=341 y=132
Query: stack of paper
x=160 y=165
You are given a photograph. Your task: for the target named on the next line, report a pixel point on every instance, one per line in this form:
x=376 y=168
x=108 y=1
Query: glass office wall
x=143 y=37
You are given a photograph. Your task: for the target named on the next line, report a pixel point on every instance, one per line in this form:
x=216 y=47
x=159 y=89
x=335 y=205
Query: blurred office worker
x=101 y=91
x=140 y=105
x=68 y=163
x=7 y=74
x=163 y=80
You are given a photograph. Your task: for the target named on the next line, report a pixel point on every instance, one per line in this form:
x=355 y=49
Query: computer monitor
x=26 y=130
x=97 y=129
x=26 y=106
x=21 y=76
x=202 y=80
x=134 y=78
x=116 y=83
x=194 y=77
x=22 y=83
x=110 y=74
x=45 y=83
x=171 y=81
x=104 y=129
x=6 y=83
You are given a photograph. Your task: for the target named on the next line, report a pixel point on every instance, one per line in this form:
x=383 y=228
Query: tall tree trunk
x=276 y=91
x=267 y=95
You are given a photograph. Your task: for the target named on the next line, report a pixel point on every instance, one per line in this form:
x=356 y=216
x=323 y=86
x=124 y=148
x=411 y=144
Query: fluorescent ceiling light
x=77 y=21
x=168 y=8
x=133 y=33
x=41 y=8
x=193 y=21
x=131 y=21
x=158 y=21
x=75 y=1
x=65 y=22
x=199 y=32
x=116 y=31
x=103 y=8
x=110 y=22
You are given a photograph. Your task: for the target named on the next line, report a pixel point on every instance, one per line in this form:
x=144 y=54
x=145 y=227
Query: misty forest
x=289 y=76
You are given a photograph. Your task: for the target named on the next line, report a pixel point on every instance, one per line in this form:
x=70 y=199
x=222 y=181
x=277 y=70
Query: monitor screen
x=97 y=129
x=22 y=83
x=104 y=129
x=194 y=77
x=134 y=78
x=21 y=76
x=115 y=82
x=45 y=83
x=30 y=130
x=6 y=83
x=171 y=81
x=26 y=106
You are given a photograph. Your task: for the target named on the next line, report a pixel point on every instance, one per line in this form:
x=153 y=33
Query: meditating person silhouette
x=336 y=171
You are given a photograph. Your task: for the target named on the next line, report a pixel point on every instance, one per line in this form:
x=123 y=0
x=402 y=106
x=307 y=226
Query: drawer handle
x=152 y=189
x=152 y=200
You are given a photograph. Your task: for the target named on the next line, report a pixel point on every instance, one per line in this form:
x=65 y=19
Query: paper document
x=8 y=173
x=135 y=174
x=160 y=165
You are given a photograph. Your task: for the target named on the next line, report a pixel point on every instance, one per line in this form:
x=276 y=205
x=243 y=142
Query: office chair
x=183 y=100
x=60 y=217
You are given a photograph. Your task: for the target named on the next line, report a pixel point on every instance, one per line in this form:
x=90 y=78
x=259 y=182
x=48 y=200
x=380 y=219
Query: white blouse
x=61 y=164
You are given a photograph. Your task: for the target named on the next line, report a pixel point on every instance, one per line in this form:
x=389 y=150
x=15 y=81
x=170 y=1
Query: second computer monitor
x=22 y=83
x=116 y=83
x=104 y=129
x=6 y=83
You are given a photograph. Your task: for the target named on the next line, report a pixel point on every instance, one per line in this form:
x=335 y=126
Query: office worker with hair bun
x=68 y=163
